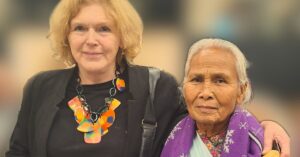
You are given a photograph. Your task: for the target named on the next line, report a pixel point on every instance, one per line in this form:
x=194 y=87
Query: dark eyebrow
x=220 y=75
x=74 y=24
x=196 y=75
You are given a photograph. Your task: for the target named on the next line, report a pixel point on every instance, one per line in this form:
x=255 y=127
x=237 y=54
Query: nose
x=206 y=92
x=91 y=39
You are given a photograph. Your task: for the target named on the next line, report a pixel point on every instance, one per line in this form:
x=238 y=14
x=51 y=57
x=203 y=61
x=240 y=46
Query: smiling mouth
x=92 y=53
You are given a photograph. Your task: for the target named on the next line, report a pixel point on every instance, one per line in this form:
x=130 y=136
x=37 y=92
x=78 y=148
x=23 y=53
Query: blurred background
x=268 y=32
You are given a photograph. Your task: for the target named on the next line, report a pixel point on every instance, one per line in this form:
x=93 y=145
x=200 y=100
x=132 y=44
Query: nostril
x=210 y=98
x=205 y=96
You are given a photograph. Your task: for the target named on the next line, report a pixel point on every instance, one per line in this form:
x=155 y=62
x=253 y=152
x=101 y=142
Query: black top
x=66 y=140
x=46 y=93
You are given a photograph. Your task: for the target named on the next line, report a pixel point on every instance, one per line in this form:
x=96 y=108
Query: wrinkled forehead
x=213 y=63
x=212 y=57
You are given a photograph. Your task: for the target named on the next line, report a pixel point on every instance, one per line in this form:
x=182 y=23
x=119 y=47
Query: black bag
x=149 y=122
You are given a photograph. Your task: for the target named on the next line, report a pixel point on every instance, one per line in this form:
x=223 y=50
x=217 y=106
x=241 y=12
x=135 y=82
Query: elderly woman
x=95 y=108
x=215 y=87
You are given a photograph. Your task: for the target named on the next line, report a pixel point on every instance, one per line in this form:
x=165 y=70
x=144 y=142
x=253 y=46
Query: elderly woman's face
x=212 y=88
x=94 y=39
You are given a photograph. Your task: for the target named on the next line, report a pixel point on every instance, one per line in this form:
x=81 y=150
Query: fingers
x=267 y=143
x=274 y=131
x=284 y=142
x=268 y=137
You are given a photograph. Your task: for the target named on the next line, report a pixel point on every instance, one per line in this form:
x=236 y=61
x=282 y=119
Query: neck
x=96 y=77
x=210 y=130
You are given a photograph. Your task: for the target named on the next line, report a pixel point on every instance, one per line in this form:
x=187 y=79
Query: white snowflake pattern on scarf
x=228 y=140
x=243 y=125
x=172 y=134
x=183 y=155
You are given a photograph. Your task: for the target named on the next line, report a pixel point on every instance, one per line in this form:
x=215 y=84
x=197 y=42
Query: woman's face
x=94 y=40
x=212 y=88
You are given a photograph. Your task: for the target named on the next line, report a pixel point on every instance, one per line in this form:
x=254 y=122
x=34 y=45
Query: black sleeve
x=168 y=109
x=181 y=111
x=19 y=142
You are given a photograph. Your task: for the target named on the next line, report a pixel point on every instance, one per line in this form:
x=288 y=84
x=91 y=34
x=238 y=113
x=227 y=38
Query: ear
x=242 y=93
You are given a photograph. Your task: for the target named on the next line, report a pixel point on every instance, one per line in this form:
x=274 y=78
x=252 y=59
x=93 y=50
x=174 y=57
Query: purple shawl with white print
x=244 y=137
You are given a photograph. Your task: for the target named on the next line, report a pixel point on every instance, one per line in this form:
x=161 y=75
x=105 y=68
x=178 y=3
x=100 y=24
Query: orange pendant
x=93 y=131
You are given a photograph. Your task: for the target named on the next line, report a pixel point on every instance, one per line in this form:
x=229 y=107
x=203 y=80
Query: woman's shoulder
x=248 y=120
x=51 y=77
x=54 y=73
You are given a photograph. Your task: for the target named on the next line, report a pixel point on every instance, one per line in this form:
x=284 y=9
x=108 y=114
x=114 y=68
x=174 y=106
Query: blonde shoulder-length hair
x=126 y=18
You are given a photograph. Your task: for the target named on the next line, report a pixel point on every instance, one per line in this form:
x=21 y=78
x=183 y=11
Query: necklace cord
x=94 y=115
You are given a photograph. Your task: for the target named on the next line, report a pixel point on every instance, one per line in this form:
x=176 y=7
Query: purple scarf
x=244 y=137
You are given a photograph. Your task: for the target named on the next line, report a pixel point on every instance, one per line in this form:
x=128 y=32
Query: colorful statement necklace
x=95 y=124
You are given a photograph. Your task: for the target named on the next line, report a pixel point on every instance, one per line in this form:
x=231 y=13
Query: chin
x=93 y=67
x=206 y=121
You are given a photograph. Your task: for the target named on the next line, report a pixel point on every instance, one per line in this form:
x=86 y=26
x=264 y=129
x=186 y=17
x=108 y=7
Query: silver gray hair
x=241 y=61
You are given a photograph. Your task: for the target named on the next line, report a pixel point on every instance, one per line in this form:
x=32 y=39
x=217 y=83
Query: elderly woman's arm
x=273 y=131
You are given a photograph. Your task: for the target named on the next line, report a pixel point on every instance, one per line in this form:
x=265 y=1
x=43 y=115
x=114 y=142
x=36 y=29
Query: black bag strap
x=149 y=123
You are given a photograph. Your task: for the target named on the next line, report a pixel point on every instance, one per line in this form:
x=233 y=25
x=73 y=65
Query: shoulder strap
x=149 y=123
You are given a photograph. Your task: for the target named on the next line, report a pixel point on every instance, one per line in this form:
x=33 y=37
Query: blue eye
x=104 y=29
x=79 y=28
